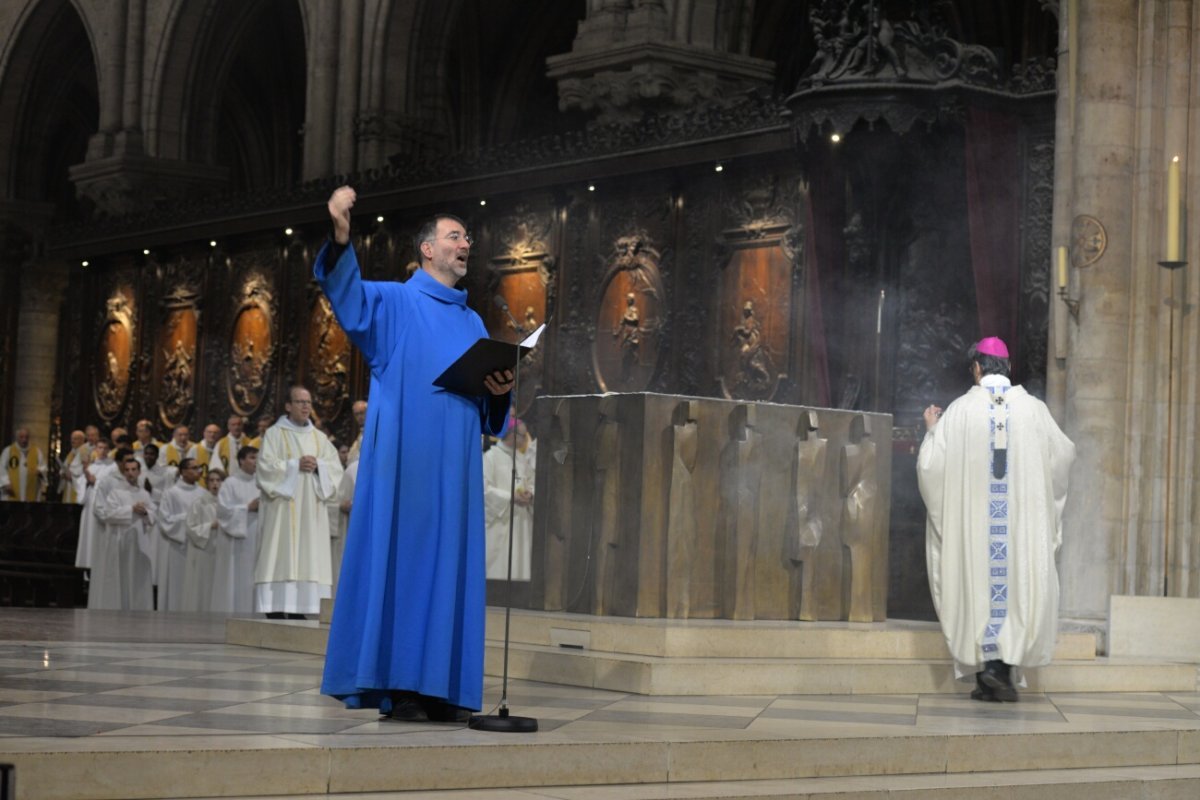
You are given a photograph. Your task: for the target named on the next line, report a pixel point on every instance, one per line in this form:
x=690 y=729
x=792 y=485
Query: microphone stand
x=503 y=722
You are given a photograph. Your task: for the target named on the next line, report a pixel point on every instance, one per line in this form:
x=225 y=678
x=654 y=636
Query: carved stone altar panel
x=664 y=506
x=630 y=317
x=114 y=352
x=252 y=344
x=327 y=360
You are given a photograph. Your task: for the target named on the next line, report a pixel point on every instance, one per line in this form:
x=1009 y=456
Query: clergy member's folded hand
x=499 y=382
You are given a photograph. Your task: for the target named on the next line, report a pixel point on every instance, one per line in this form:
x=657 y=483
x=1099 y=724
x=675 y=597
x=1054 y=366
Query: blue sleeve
x=371 y=313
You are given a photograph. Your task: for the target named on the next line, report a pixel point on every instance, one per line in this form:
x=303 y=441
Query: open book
x=465 y=376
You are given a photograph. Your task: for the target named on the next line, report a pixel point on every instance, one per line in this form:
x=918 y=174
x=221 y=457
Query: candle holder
x=1071 y=303
x=1172 y=264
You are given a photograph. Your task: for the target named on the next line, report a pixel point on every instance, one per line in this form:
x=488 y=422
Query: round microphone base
x=503 y=723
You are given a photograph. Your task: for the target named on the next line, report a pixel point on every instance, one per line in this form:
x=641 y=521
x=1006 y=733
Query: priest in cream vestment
x=993 y=474
x=298 y=473
x=22 y=470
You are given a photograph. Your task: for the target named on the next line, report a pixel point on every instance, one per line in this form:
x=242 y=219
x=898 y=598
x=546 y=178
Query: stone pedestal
x=662 y=506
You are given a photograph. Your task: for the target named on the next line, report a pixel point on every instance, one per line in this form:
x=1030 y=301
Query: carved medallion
x=1089 y=240
x=626 y=345
x=115 y=354
x=328 y=367
x=251 y=346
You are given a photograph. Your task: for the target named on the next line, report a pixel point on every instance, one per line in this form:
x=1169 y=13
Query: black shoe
x=276 y=615
x=441 y=711
x=297 y=616
x=406 y=711
x=982 y=691
x=996 y=676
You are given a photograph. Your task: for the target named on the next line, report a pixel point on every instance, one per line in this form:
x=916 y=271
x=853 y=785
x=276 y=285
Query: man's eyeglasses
x=457 y=237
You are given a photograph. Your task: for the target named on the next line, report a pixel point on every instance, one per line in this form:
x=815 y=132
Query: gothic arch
x=49 y=104
x=229 y=89
x=473 y=72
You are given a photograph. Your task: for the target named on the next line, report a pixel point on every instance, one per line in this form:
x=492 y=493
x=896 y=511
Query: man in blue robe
x=408 y=625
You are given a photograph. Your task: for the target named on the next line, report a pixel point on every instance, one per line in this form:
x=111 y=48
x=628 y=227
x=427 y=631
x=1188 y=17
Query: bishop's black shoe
x=403 y=707
x=982 y=691
x=997 y=676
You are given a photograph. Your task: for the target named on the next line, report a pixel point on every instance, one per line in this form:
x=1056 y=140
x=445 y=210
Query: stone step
x=743 y=638
x=657 y=675
x=146 y=768
x=651 y=675
x=688 y=638
x=1146 y=783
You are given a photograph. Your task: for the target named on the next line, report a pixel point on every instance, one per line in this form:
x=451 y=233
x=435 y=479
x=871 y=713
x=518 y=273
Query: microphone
x=499 y=302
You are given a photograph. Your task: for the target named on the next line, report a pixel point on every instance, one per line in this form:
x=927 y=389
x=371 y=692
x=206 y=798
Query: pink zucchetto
x=992 y=346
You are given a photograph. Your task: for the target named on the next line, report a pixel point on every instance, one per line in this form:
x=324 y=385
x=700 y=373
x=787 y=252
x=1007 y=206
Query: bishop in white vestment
x=298 y=473
x=993 y=474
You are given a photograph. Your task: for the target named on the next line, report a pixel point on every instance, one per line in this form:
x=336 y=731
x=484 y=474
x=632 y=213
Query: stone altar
x=653 y=505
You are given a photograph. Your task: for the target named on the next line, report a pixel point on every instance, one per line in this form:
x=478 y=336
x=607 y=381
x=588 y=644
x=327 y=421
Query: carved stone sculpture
x=681 y=510
x=741 y=474
x=805 y=537
x=860 y=491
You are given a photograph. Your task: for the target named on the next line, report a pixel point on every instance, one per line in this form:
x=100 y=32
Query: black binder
x=465 y=376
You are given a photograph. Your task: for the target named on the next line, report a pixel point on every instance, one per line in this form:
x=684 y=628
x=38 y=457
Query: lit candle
x=1173 y=208
x=1061 y=253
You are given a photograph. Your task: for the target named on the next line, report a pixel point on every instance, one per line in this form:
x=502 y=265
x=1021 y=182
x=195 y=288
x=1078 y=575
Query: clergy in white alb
x=121 y=575
x=993 y=474
x=298 y=474
x=98 y=466
x=497 y=485
x=156 y=476
x=71 y=471
x=172 y=528
x=201 y=526
x=345 y=501
x=22 y=470
x=236 y=544
x=143 y=435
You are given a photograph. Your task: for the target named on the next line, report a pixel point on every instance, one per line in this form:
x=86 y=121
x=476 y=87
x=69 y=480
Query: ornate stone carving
x=122 y=185
x=1089 y=240
x=252 y=345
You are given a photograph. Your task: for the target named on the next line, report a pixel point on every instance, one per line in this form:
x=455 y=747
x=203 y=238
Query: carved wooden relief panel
x=177 y=344
x=521 y=272
x=626 y=348
x=251 y=344
x=328 y=357
x=753 y=321
x=114 y=353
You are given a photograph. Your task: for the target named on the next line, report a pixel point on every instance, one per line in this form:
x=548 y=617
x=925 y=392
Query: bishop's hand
x=340 y=203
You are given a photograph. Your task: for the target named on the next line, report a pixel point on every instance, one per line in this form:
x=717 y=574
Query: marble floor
x=104 y=682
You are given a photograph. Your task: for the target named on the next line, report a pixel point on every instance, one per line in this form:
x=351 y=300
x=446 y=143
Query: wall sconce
x=1072 y=304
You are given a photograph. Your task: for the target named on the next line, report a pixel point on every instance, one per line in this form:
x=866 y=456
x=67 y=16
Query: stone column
x=349 y=81
x=1097 y=377
x=36 y=365
x=112 y=80
x=321 y=111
